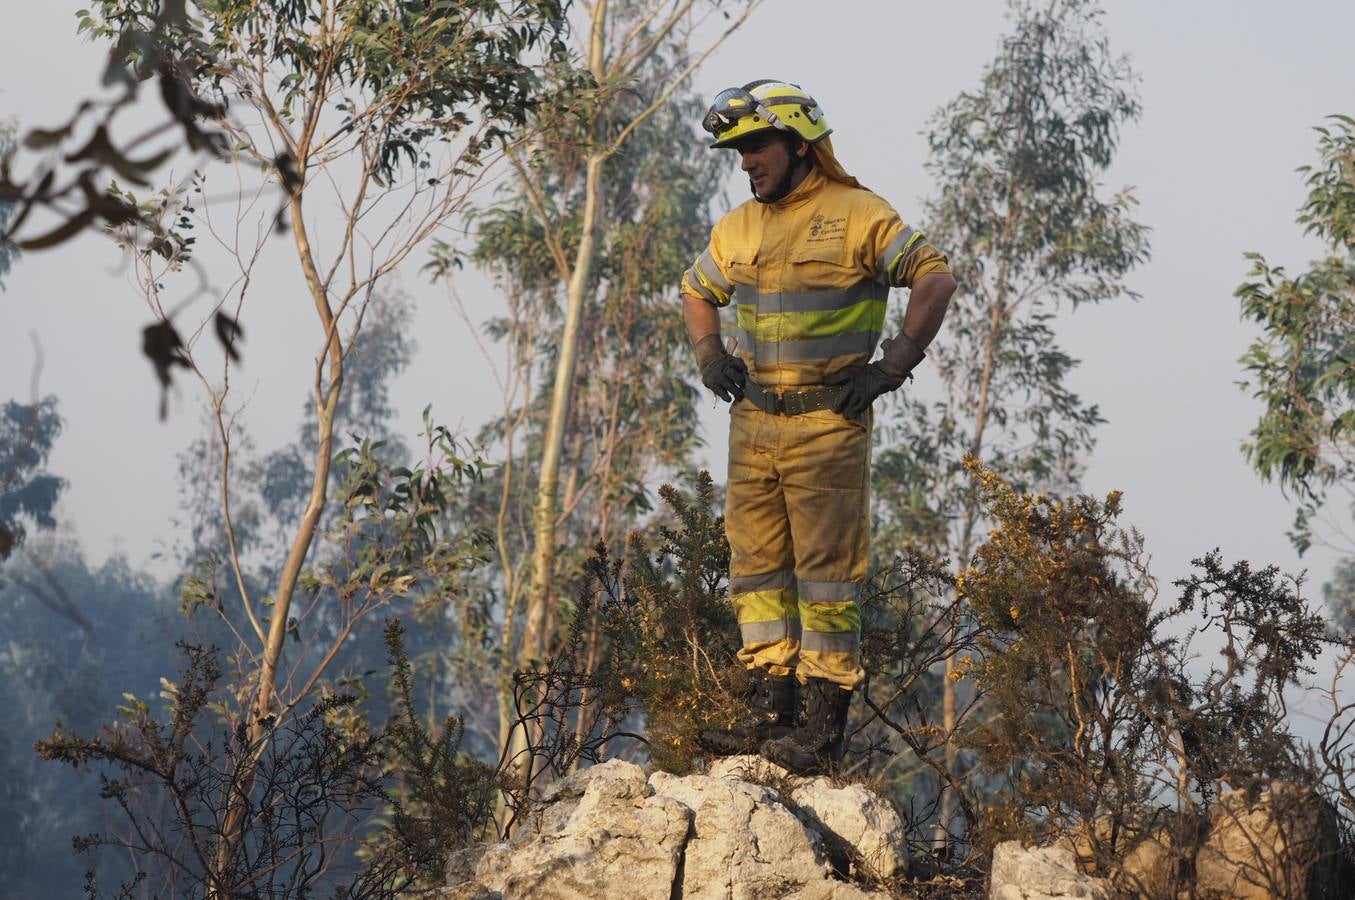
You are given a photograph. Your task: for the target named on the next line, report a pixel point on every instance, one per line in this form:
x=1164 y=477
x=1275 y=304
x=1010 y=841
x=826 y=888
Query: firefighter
x=808 y=262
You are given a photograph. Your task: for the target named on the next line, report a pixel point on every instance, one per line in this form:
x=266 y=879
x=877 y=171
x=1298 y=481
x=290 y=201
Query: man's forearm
x=927 y=303
x=701 y=317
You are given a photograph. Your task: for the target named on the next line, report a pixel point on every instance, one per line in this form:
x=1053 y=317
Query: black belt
x=790 y=403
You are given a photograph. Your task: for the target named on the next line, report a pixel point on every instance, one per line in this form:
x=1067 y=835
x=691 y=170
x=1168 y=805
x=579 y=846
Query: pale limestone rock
x=608 y=831
x=863 y=821
x=1041 y=873
x=745 y=845
x=1282 y=844
x=597 y=827
x=857 y=817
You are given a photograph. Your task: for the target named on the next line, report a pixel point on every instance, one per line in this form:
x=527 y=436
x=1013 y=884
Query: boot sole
x=722 y=745
x=798 y=762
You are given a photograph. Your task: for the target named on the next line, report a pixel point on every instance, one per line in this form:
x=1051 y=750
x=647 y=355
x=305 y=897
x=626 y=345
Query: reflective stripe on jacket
x=810 y=276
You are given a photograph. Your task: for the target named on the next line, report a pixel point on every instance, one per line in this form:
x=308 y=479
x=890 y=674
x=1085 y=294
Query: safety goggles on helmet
x=760 y=106
x=733 y=104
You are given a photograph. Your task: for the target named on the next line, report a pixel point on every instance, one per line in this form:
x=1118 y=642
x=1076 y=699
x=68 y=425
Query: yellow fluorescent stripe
x=830 y=617
x=893 y=268
x=708 y=285
x=747 y=316
x=868 y=315
x=767 y=606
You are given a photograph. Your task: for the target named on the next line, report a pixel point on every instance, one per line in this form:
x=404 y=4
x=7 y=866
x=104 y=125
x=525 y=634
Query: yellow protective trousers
x=798 y=523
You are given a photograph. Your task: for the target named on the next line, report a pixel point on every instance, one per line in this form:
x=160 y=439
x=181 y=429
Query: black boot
x=819 y=741
x=771 y=714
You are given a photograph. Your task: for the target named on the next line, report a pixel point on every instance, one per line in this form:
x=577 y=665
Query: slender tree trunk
x=534 y=637
x=548 y=490
x=326 y=400
x=631 y=54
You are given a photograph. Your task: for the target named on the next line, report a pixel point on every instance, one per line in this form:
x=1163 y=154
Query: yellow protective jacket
x=810 y=275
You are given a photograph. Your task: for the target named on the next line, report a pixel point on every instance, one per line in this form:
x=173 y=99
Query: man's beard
x=778 y=192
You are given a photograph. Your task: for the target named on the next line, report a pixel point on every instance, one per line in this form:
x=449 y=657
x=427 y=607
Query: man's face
x=769 y=161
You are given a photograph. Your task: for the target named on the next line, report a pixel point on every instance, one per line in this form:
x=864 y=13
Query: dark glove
x=721 y=371
x=860 y=386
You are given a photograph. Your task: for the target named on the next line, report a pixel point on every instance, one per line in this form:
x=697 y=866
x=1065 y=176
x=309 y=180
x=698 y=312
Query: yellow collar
x=802 y=192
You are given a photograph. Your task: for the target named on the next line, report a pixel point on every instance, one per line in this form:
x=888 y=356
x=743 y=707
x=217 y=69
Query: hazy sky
x=1230 y=92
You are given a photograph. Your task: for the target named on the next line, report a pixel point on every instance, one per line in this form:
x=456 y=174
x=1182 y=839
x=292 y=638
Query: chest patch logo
x=823 y=230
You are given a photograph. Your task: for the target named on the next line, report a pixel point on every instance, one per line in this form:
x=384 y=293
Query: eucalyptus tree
x=1032 y=233
x=1302 y=367
x=638 y=53
x=580 y=247
x=632 y=417
x=371 y=123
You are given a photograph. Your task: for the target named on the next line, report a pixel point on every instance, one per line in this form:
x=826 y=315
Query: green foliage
x=442 y=798
x=647 y=658
x=425 y=68
x=386 y=544
x=390 y=533
x=421 y=93
x=1018 y=203
x=631 y=421
x=149 y=40
x=269 y=490
x=389 y=549
x=1302 y=367
x=28 y=492
x=634 y=412
x=410 y=72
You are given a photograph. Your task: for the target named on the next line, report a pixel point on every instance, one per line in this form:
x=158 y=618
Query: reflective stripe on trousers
x=798 y=523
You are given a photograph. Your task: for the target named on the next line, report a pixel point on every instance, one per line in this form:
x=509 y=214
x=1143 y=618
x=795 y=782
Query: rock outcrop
x=858 y=823
x=1145 y=866
x=611 y=830
x=1283 y=842
x=1041 y=873
x=747 y=830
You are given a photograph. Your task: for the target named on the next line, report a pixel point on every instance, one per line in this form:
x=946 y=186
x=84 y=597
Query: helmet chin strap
x=783 y=187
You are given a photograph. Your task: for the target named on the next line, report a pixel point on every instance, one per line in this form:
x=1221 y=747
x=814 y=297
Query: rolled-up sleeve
x=904 y=255
x=707 y=279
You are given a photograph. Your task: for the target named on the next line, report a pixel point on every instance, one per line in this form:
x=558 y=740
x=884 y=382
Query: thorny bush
x=1099 y=719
